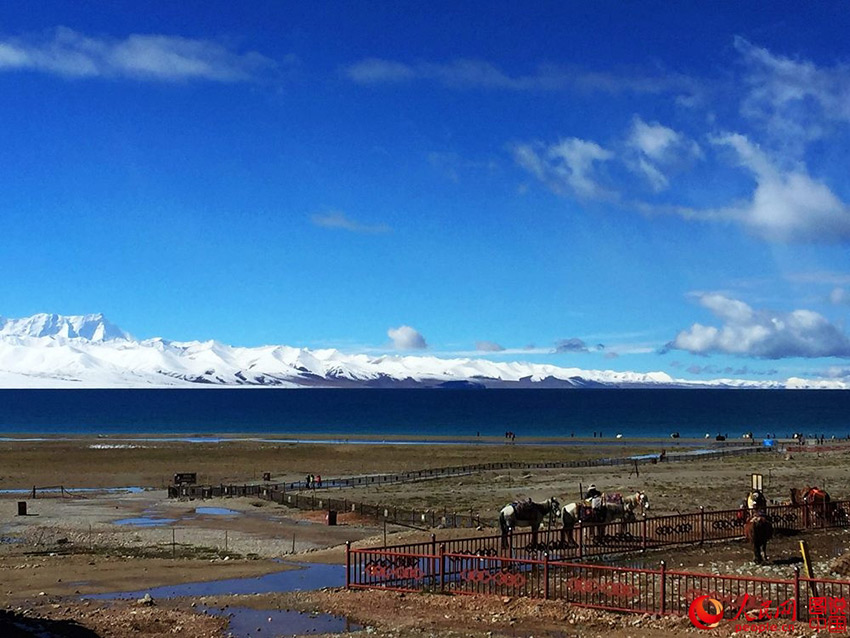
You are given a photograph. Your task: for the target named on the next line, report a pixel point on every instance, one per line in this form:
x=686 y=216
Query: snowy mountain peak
x=89 y=327
x=49 y=350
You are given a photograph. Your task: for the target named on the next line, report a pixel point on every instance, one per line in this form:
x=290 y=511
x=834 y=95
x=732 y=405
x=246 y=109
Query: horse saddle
x=524 y=509
x=591 y=510
x=615 y=498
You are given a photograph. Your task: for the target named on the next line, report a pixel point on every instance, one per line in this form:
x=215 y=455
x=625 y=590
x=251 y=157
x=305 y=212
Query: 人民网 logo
x=705 y=612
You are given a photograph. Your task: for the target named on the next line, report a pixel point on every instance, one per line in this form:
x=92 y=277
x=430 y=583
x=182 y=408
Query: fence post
x=701 y=524
x=442 y=567
x=432 y=562
x=643 y=535
x=348 y=564
x=796 y=594
x=546 y=576
x=663 y=573
x=580 y=539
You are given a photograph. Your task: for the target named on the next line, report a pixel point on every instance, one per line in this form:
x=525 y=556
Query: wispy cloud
x=787 y=205
x=839 y=297
x=730 y=371
x=407 y=338
x=793 y=99
x=488 y=346
x=657 y=150
x=574 y=344
x=465 y=73
x=567 y=167
x=338 y=221
x=764 y=333
x=163 y=58
x=824 y=277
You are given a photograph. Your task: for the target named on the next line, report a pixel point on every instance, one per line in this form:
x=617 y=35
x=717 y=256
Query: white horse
x=613 y=508
x=526 y=514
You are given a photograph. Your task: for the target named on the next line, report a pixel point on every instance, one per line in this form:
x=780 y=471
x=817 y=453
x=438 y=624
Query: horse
x=613 y=507
x=818 y=501
x=526 y=514
x=758 y=530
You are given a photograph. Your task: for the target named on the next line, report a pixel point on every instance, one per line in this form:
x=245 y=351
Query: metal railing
x=645 y=591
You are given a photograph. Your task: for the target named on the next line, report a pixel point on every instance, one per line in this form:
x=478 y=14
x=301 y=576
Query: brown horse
x=818 y=501
x=758 y=530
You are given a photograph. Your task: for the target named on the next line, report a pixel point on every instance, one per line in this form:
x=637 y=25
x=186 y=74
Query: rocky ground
x=71 y=547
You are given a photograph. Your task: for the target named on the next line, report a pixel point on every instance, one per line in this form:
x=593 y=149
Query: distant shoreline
x=399 y=439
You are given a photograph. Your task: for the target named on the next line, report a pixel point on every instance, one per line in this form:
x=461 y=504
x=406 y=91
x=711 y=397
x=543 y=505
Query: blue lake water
x=199 y=413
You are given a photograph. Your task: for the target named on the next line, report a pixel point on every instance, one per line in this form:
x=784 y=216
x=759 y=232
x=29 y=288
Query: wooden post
x=807 y=564
x=546 y=576
x=643 y=536
x=701 y=524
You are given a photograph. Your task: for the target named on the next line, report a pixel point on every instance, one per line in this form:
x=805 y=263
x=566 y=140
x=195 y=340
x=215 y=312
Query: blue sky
x=628 y=186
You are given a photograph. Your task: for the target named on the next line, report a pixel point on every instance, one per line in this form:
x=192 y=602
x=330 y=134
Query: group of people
x=313 y=481
x=510 y=436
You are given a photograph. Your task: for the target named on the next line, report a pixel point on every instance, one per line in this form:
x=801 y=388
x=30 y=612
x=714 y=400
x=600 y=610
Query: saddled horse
x=758 y=530
x=612 y=507
x=526 y=514
x=818 y=501
x=756 y=502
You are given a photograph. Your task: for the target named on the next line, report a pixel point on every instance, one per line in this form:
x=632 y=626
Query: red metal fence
x=645 y=591
x=637 y=535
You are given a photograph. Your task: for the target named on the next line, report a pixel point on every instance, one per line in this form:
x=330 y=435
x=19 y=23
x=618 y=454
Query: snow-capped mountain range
x=54 y=351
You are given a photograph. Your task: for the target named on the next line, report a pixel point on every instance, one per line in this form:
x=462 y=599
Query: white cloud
x=465 y=73
x=793 y=98
x=763 y=333
x=149 y=57
x=336 y=220
x=658 y=150
x=406 y=338
x=568 y=166
x=788 y=206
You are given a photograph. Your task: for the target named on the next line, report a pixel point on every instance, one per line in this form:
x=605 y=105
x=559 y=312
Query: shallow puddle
x=245 y=622
x=144 y=521
x=216 y=511
x=308 y=576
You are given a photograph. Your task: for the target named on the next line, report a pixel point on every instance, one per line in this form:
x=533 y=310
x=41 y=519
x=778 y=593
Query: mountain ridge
x=50 y=350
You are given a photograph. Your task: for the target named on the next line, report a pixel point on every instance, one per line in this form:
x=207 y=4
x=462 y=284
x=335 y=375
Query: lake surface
x=427 y=412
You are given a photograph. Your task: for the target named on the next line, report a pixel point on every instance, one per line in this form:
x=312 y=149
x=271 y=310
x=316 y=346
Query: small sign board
x=757 y=482
x=185 y=478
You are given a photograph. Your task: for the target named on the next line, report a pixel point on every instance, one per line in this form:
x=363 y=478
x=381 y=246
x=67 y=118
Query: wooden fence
x=297 y=494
